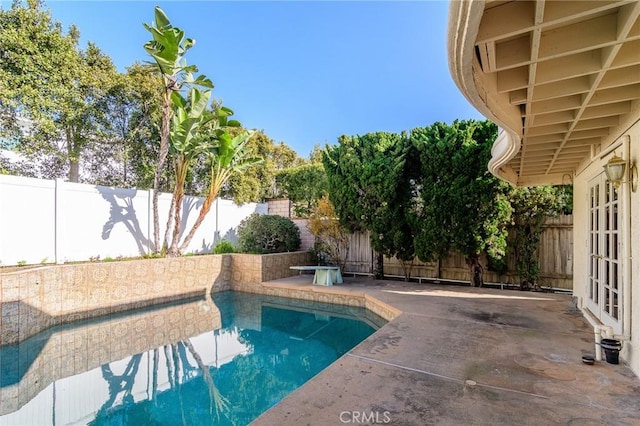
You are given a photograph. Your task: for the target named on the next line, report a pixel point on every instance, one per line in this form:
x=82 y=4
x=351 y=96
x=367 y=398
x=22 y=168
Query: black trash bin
x=611 y=350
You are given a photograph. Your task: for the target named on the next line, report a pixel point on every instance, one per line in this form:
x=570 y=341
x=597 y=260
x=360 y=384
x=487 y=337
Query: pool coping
x=341 y=295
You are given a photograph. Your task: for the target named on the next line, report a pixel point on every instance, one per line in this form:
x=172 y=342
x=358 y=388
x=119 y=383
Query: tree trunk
x=72 y=155
x=167 y=231
x=178 y=195
x=379 y=270
x=407 y=266
x=206 y=206
x=475 y=271
x=219 y=177
x=124 y=164
x=162 y=159
x=74 y=170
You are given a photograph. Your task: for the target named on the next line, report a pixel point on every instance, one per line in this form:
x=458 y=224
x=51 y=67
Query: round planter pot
x=611 y=350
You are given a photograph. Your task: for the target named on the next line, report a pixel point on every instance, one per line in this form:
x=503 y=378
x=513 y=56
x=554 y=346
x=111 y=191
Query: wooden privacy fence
x=555 y=255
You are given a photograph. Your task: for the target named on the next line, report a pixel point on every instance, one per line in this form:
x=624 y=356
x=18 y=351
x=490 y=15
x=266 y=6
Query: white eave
x=561 y=79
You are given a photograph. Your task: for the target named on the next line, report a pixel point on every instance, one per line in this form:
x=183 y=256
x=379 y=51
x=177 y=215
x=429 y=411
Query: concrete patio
x=464 y=356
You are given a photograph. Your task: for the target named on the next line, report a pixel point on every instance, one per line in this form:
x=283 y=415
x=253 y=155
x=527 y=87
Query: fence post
x=150 y=237
x=58 y=221
x=216 y=235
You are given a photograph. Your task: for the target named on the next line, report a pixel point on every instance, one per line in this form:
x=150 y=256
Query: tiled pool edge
x=341 y=295
x=36 y=299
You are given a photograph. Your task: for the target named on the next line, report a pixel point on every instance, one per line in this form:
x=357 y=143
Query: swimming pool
x=221 y=361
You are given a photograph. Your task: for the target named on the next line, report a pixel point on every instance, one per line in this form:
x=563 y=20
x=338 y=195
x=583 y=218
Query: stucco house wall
x=630 y=335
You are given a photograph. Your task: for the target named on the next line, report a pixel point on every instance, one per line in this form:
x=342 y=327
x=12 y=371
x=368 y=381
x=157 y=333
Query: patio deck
x=464 y=356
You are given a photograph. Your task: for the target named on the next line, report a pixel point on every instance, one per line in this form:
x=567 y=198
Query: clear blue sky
x=304 y=72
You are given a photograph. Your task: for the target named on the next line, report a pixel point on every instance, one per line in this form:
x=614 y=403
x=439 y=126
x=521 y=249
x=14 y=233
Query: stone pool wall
x=36 y=299
x=252 y=269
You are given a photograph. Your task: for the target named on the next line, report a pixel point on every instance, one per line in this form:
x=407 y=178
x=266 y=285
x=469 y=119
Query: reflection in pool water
x=201 y=362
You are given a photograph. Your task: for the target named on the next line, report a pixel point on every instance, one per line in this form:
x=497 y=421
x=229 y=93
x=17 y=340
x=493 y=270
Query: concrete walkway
x=465 y=356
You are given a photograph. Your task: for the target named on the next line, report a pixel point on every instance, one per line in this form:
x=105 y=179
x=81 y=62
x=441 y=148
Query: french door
x=604 y=284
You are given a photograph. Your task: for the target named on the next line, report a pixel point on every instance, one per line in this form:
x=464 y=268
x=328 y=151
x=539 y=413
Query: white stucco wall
x=631 y=324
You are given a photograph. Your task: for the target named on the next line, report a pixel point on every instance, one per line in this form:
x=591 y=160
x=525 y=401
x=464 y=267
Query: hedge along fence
x=555 y=255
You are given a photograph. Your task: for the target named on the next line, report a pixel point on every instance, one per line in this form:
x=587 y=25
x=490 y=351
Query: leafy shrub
x=268 y=234
x=332 y=246
x=224 y=246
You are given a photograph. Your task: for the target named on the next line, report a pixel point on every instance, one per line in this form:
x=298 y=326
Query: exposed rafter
x=569 y=69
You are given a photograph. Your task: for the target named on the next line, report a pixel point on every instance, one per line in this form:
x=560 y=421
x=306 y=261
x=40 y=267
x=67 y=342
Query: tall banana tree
x=197 y=131
x=227 y=156
x=188 y=140
x=168 y=48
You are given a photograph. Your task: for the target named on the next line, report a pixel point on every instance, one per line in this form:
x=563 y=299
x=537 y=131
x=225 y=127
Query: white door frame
x=604 y=295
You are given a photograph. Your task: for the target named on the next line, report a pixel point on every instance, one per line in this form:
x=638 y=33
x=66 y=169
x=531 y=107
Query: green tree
x=50 y=81
x=168 y=48
x=258 y=182
x=315 y=156
x=531 y=207
x=188 y=140
x=458 y=204
x=191 y=130
x=128 y=132
x=366 y=184
x=304 y=185
x=227 y=158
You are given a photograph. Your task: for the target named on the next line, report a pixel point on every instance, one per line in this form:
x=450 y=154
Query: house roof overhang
x=560 y=78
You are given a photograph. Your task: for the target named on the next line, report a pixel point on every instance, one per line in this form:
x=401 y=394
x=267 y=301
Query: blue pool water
x=220 y=362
